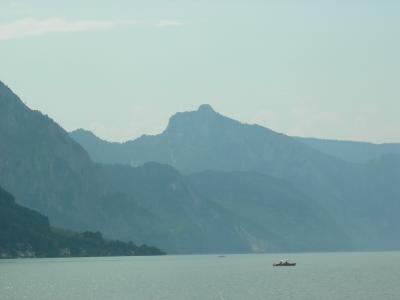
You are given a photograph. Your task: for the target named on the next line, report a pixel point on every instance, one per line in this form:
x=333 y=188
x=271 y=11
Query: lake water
x=317 y=276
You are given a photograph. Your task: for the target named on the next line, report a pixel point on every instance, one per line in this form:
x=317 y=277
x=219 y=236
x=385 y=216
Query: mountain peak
x=206 y=108
x=187 y=119
x=83 y=132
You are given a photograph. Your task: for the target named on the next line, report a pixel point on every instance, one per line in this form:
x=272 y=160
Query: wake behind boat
x=285 y=263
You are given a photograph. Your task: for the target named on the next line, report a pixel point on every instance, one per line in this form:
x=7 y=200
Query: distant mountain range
x=48 y=171
x=358 y=152
x=131 y=152
x=204 y=140
x=152 y=204
x=207 y=184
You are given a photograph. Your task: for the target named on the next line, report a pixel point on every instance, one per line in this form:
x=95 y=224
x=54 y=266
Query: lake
x=374 y=276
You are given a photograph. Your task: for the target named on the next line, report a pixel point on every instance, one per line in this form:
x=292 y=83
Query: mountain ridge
x=203 y=140
x=151 y=203
x=144 y=196
x=51 y=173
x=352 y=151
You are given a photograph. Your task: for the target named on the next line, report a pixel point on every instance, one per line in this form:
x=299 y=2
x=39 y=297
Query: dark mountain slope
x=26 y=233
x=38 y=161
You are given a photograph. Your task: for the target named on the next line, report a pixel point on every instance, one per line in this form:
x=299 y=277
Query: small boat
x=285 y=263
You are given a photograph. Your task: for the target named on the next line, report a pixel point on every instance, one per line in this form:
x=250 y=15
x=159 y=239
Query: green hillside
x=27 y=233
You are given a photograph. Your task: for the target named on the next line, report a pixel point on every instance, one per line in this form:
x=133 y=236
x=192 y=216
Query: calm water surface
x=317 y=276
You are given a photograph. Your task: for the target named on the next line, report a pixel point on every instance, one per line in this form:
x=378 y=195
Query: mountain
x=152 y=204
x=202 y=140
x=27 y=233
x=205 y=140
x=98 y=149
x=379 y=201
x=274 y=204
x=139 y=195
x=358 y=152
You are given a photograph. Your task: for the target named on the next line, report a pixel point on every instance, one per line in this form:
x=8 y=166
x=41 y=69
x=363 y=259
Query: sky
x=326 y=69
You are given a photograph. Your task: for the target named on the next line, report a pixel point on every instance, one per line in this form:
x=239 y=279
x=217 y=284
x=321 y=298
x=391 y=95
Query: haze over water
x=317 y=276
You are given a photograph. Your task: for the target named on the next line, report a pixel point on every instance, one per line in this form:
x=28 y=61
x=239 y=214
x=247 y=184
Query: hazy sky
x=120 y=68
